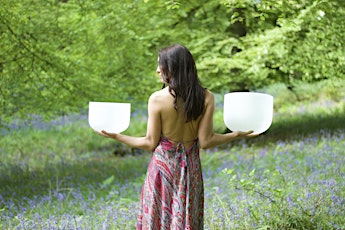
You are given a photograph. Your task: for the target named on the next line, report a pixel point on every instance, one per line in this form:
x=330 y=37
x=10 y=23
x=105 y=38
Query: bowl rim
x=256 y=93
x=107 y=102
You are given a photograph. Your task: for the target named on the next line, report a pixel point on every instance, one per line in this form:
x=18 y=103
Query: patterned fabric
x=172 y=196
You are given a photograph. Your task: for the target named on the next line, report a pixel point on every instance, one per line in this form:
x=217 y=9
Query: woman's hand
x=240 y=134
x=154 y=129
x=106 y=134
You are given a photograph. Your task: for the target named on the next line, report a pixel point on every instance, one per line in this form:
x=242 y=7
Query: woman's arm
x=154 y=127
x=207 y=137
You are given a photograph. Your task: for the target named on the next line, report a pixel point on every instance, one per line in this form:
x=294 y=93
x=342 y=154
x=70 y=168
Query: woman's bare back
x=174 y=126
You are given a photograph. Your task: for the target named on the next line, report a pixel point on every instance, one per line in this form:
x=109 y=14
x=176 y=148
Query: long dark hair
x=178 y=68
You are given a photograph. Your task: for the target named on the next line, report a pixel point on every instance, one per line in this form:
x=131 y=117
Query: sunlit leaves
x=284 y=41
x=55 y=56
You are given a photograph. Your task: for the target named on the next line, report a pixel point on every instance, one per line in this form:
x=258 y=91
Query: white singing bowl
x=245 y=111
x=109 y=116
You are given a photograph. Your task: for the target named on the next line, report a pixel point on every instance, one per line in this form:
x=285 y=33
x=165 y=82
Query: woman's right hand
x=248 y=134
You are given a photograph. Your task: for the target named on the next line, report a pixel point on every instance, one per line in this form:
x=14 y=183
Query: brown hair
x=179 y=71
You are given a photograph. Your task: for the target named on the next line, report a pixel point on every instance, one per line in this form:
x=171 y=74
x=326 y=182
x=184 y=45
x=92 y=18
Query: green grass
x=64 y=176
x=285 y=185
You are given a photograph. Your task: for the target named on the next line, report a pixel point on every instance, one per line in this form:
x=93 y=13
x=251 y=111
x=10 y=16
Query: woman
x=180 y=119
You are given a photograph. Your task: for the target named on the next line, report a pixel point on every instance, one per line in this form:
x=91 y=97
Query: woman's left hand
x=106 y=134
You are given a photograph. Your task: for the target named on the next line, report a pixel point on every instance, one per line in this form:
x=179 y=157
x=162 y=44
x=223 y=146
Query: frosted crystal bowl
x=244 y=111
x=109 y=116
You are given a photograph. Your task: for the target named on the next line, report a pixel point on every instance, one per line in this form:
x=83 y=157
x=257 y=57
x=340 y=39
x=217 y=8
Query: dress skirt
x=172 y=196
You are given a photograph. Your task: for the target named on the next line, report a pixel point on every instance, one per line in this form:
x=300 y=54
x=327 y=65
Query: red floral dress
x=172 y=196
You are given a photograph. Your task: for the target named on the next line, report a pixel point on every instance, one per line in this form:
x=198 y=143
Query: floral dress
x=172 y=196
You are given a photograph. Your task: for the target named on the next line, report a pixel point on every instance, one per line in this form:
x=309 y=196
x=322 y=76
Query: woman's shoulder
x=162 y=94
x=209 y=97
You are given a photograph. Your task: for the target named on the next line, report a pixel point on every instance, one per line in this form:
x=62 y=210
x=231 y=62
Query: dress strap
x=178 y=143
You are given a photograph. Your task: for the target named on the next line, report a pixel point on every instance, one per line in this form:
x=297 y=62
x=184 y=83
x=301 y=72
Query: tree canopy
x=57 y=55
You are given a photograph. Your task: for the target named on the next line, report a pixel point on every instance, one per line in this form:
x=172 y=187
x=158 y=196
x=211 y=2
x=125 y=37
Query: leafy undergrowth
x=295 y=184
x=289 y=184
x=60 y=175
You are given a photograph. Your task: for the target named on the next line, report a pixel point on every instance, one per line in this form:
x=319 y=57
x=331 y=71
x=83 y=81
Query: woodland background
x=56 y=55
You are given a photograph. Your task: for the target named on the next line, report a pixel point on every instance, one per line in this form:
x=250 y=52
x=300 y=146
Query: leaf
x=108 y=181
x=252 y=173
x=228 y=171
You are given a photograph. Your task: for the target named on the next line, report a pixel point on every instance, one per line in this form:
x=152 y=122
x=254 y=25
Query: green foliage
x=56 y=56
x=275 y=41
x=283 y=185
